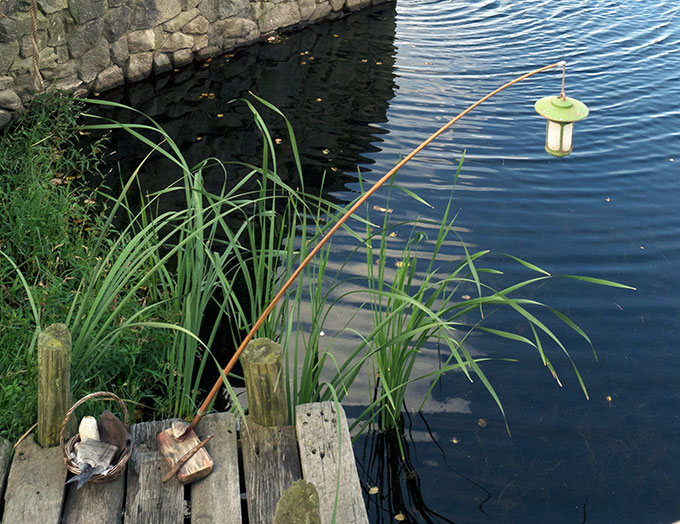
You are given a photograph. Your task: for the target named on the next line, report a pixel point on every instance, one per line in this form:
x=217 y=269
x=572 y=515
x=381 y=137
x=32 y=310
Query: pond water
x=366 y=89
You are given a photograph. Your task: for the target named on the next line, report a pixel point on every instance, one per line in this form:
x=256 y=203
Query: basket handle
x=98 y=394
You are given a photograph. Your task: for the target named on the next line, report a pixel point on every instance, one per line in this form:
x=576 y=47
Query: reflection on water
x=332 y=82
x=608 y=210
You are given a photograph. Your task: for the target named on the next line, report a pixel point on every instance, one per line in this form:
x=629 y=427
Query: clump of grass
x=136 y=299
x=51 y=216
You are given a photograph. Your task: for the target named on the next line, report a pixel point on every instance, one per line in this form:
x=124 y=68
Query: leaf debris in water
x=373 y=491
x=383 y=209
x=481 y=422
x=399 y=517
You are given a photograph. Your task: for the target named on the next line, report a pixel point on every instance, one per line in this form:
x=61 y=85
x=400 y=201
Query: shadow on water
x=333 y=81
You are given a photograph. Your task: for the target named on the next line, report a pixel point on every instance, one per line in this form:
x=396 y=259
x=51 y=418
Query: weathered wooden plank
x=100 y=502
x=5 y=462
x=35 y=487
x=217 y=498
x=148 y=500
x=320 y=452
x=271 y=463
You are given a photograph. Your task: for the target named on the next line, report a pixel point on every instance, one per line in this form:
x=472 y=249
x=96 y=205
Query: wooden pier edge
x=318 y=451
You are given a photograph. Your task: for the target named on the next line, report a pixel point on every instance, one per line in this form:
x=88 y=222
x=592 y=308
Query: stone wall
x=95 y=45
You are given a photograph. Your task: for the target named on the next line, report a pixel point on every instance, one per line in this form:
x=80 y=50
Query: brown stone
x=198 y=25
x=182 y=57
x=140 y=41
x=139 y=66
x=176 y=41
x=10 y=100
x=109 y=78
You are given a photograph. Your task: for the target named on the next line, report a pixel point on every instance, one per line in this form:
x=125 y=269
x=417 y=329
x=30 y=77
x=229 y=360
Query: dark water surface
x=366 y=89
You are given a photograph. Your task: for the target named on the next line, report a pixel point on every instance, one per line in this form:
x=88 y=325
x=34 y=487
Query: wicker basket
x=68 y=448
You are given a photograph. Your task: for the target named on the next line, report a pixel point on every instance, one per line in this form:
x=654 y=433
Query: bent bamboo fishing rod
x=218 y=384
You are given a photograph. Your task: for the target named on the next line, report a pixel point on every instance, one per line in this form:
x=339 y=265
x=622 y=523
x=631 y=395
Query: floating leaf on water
x=325 y=151
x=364 y=60
x=428 y=63
x=455 y=440
x=378 y=63
x=374 y=490
x=220 y=115
x=334 y=169
x=399 y=517
x=481 y=422
x=336 y=36
x=383 y=209
x=465 y=297
x=393 y=234
x=278 y=140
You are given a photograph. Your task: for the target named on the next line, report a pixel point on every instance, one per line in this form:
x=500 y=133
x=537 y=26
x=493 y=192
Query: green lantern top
x=560 y=109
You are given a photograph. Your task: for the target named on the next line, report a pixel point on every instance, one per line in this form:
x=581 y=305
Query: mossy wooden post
x=262 y=362
x=54 y=384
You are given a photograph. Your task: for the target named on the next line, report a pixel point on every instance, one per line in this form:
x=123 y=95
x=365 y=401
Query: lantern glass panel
x=554 y=136
x=567 y=132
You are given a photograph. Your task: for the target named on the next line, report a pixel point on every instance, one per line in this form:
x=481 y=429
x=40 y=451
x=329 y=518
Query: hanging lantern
x=561 y=112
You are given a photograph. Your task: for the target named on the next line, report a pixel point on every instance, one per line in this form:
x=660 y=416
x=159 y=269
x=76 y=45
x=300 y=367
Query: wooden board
x=217 y=498
x=100 y=502
x=5 y=462
x=197 y=467
x=320 y=452
x=271 y=463
x=148 y=500
x=35 y=487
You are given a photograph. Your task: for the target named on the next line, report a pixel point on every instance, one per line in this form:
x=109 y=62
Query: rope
x=38 y=84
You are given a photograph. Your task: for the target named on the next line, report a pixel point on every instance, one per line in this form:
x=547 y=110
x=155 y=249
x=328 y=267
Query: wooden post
x=54 y=384
x=262 y=362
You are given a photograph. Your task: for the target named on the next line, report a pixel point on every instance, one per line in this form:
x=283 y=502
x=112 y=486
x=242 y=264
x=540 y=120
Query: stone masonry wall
x=95 y=45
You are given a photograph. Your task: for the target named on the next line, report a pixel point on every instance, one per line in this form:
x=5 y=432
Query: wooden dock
x=254 y=465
